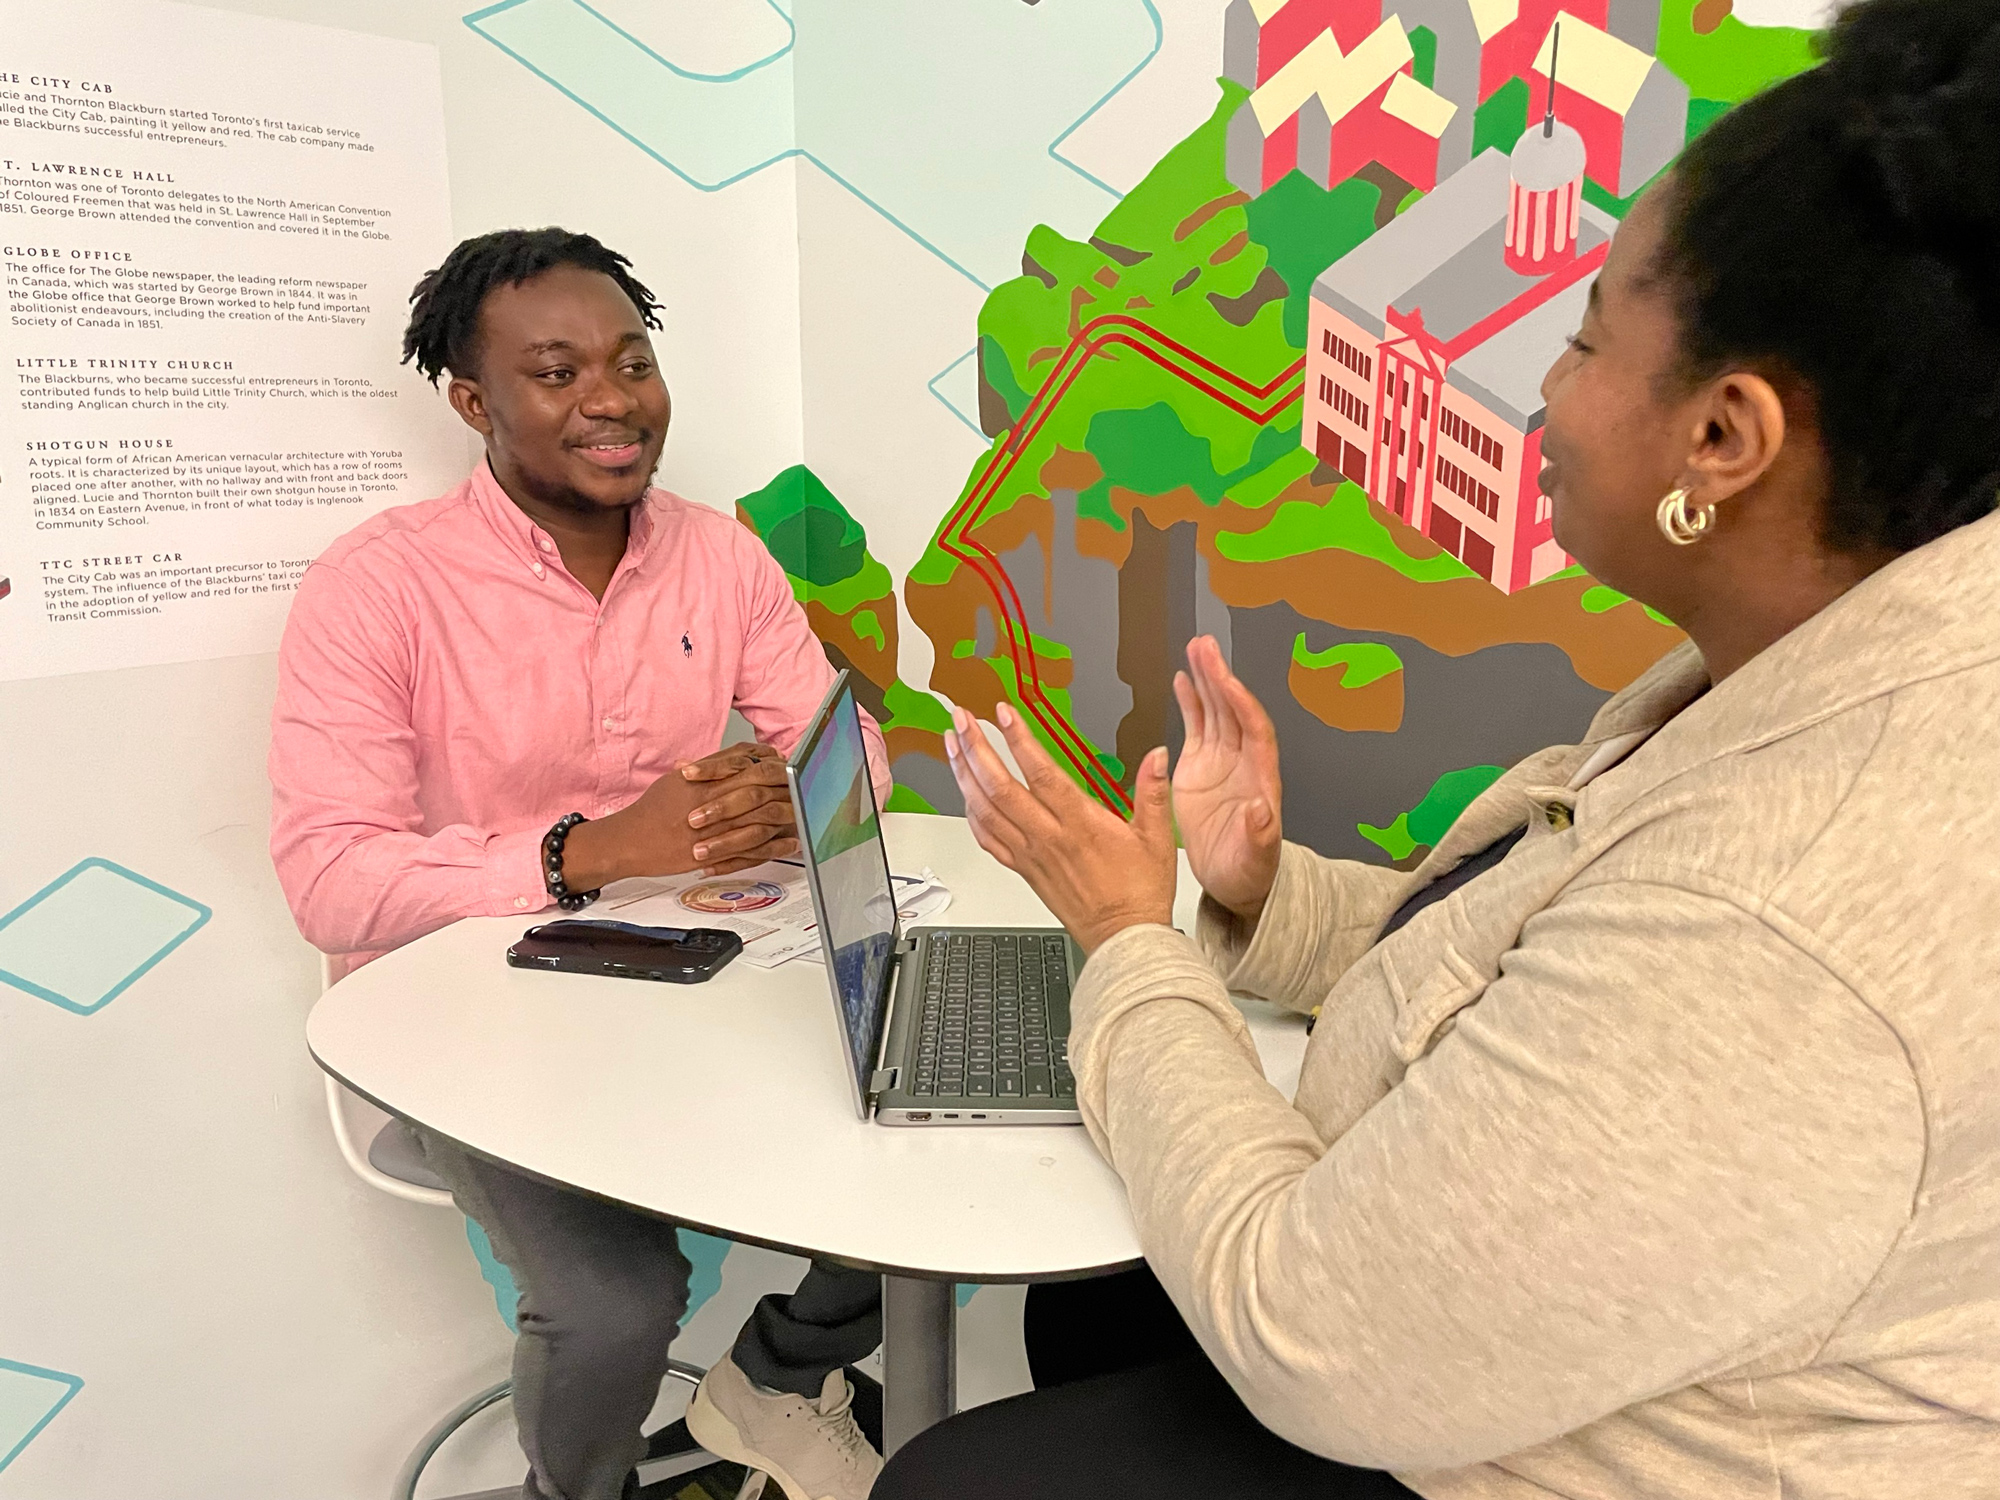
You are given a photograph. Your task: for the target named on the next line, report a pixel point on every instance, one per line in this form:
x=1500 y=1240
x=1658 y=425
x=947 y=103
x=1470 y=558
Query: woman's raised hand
x=1226 y=788
x=1098 y=873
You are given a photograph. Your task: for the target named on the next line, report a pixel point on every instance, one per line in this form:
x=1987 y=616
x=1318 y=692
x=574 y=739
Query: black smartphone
x=675 y=955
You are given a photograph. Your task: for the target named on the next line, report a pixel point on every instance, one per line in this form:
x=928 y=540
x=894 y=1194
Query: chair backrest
x=352 y=1153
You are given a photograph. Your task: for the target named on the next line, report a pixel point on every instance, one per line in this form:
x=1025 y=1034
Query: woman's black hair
x=444 y=310
x=1845 y=228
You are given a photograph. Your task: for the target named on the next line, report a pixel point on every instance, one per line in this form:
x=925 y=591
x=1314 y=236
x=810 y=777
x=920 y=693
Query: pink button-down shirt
x=447 y=691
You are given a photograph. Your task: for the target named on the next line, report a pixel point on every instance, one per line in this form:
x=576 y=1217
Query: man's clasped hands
x=724 y=812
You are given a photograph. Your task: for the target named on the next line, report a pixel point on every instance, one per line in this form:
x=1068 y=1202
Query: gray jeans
x=603 y=1289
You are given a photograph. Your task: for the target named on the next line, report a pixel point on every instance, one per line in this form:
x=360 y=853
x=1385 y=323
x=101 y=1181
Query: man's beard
x=565 y=497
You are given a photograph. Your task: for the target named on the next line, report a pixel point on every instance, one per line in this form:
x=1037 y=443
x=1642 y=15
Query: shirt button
x=538 y=570
x=522 y=902
x=610 y=723
x=545 y=544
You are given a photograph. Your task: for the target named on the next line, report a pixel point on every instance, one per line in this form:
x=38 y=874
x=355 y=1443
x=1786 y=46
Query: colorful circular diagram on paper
x=728 y=897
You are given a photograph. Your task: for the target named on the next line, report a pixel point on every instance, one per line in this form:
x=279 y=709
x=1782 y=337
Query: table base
x=919 y=1357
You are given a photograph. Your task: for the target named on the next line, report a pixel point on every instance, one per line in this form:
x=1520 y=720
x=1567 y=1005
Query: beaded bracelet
x=552 y=865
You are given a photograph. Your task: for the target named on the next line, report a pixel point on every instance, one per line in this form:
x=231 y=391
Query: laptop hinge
x=882 y=1080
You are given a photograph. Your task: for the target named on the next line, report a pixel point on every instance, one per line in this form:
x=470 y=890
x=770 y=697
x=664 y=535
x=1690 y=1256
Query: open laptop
x=943 y=1025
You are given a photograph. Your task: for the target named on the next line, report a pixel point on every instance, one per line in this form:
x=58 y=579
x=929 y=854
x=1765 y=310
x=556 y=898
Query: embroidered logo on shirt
x=687 y=646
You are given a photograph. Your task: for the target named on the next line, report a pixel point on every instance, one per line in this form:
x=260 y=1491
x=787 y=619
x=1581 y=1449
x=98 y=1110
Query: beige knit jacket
x=1663 y=1160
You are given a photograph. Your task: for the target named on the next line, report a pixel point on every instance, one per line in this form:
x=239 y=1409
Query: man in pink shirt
x=503 y=699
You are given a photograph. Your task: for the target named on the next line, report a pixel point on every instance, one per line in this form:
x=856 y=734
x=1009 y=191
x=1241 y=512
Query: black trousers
x=1125 y=1407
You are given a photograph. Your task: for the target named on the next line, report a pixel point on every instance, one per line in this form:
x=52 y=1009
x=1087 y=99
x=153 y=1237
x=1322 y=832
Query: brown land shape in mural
x=1069 y=469
x=1230 y=248
x=1269 y=287
x=876 y=663
x=1454 y=616
x=1079 y=299
x=1377 y=706
x=1206 y=212
x=1390 y=190
x=1125 y=255
x=1710 y=14
x=904 y=740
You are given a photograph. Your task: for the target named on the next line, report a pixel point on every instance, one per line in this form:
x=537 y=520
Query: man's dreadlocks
x=444 y=312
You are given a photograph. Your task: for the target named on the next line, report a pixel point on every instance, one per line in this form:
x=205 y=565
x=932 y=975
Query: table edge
x=733 y=1236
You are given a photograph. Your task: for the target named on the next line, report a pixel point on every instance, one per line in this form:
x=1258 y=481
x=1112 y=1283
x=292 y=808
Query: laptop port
x=951 y=1117
x=917 y=1116
x=977 y=1117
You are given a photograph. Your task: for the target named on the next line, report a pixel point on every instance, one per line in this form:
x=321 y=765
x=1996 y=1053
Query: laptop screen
x=850 y=872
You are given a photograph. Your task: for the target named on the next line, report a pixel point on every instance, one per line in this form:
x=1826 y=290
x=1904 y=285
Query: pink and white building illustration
x=1328 y=112
x=1428 y=342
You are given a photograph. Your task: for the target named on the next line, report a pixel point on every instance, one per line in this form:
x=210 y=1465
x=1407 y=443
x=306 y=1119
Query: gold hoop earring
x=1680 y=525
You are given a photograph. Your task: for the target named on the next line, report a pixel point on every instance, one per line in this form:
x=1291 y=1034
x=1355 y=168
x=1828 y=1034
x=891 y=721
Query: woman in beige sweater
x=1648 y=1144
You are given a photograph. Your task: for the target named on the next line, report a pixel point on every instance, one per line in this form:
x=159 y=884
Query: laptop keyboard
x=988 y=999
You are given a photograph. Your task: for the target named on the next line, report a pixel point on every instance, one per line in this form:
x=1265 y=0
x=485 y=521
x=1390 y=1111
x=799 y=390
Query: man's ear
x=1739 y=429
x=469 y=401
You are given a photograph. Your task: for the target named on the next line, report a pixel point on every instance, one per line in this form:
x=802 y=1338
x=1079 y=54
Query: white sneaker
x=814 y=1449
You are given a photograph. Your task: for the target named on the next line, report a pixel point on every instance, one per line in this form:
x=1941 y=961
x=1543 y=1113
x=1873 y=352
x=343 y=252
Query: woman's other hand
x=1096 y=872
x=1226 y=788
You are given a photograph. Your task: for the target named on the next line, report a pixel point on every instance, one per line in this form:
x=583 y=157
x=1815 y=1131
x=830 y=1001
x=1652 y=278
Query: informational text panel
x=210 y=225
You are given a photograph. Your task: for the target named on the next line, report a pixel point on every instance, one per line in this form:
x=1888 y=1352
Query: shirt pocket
x=1429 y=999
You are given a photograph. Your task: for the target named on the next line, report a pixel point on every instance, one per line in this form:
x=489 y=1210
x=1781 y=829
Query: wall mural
x=1288 y=394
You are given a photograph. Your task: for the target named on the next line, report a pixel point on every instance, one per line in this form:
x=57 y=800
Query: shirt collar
x=534 y=546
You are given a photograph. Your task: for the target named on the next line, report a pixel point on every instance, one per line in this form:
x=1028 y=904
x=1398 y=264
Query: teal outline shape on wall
x=71 y=1383
x=530 y=14
x=791 y=41
x=970 y=419
x=201 y=914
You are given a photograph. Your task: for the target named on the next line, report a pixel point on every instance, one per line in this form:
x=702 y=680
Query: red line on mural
x=1096 y=336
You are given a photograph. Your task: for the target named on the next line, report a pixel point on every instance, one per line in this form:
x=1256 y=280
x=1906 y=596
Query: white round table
x=724 y=1106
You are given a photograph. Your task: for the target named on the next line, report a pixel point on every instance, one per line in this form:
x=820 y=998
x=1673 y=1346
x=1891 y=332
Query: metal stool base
x=465 y=1411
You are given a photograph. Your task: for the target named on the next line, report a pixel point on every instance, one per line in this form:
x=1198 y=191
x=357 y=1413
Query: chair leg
x=450 y=1422
x=420 y=1456
x=687 y=1374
